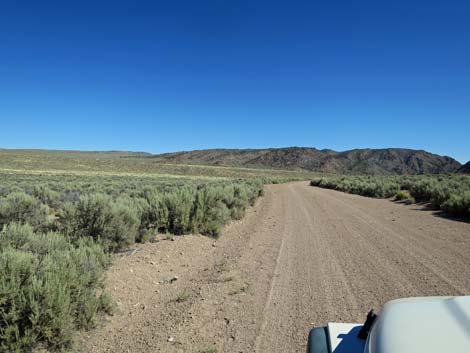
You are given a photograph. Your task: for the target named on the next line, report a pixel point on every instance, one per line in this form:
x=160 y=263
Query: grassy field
x=450 y=193
x=62 y=215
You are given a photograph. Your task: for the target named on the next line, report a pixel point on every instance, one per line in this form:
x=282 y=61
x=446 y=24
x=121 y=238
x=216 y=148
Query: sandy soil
x=301 y=257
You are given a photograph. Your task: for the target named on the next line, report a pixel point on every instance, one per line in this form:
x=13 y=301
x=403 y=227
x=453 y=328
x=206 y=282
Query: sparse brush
x=182 y=296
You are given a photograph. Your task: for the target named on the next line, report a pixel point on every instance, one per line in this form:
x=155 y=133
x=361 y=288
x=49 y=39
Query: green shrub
x=179 y=205
x=422 y=190
x=404 y=195
x=458 y=205
x=365 y=186
x=237 y=200
x=210 y=212
x=23 y=208
x=51 y=283
x=48 y=288
x=255 y=190
x=154 y=211
x=145 y=235
x=47 y=196
x=16 y=235
x=447 y=192
x=112 y=224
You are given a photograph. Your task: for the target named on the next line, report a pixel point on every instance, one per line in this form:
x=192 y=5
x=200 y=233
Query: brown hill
x=465 y=168
x=359 y=161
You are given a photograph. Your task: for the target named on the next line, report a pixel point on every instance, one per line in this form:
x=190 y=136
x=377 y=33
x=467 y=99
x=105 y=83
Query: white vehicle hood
x=413 y=325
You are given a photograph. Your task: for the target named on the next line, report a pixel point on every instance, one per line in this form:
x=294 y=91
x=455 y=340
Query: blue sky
x=164 y=76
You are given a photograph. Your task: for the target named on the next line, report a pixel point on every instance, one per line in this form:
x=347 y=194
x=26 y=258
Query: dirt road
x=301 y=257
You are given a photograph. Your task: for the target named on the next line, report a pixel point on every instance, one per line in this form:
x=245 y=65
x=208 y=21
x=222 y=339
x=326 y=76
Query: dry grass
x=182 y=296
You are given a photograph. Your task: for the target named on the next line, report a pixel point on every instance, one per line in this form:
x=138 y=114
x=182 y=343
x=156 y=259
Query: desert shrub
x=210 y=212
x=179 y=205
x=112 y=224
x=23 y=208
x=51 y=283
x=237 y=200
x=403 y=195
x=47 y=196
x=16 y=235
x=255 y=190
x=69 y=196
x=365 y=186
x=214 y=206
x=422 y=190
x=154 y=211
x=4 y=190
x=446 y=192
x=48 y=288
x=438 y=195
x=458 y=205
x=145 y=235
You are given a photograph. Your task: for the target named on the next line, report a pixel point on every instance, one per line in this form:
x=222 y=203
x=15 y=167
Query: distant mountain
x=465 y=168
x=358 y=161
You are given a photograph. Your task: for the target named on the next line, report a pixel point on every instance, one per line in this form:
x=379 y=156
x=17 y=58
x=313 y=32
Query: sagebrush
x=57 y=232
x=49 y=287
x=450 y=193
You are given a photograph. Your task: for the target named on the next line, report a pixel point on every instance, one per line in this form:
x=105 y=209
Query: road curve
x=302 y=256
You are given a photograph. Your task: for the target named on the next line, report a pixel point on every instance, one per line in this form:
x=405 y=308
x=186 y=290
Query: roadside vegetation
x=450 y=193
x=57 y=232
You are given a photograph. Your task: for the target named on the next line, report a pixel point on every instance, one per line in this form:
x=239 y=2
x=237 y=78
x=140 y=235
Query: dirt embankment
x=301 y=257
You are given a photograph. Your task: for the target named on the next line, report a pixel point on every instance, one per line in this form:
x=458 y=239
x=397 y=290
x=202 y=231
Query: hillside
x=465 y=168
x=252 y=161
x=91 y=163
x=358 y=161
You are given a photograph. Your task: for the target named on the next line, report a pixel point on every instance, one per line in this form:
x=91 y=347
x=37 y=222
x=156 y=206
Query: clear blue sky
x=177 y=75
